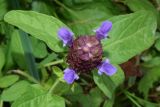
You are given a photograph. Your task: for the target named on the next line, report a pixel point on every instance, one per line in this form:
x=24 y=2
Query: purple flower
x=106 y=68
x=85 y=53
x=70 y=75
x=102 y=31
x=66 y=36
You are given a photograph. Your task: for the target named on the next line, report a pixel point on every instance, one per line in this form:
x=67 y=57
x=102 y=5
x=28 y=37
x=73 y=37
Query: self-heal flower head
x=70 y=75
x=66 y=36
x=106 y=68
x=102 y=31
x=85 y=53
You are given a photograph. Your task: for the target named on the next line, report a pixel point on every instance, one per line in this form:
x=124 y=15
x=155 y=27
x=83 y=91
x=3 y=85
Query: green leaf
x=2 y=60
x=152 y=63
x=130 y=35
x=3 y=8
x=17 y=50
x=96 y=97
x=86 y=17
x=38 y=46
x=61 y=88
x=40 y=26
x=136 y=5
x=1 y=103
x=93 y=99
x=42 y=7
x=157 y=44
x=22 y=52
x=35 y=96
x=29 y=58
x=147 y=81
x=108 y=84
x=15 y=91
x=6 y=81
x=44 y=100
x=58 y=72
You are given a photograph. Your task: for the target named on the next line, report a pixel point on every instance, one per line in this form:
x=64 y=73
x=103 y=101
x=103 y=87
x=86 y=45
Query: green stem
x=130 y=97
x=1 y=103
x=54 y=86
x=54 y=63
x=30 y=78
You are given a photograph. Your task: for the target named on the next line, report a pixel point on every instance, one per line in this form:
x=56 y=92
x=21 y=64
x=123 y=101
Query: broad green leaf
x=108 y=84
x=2 y=60
x=15 y=91
x=39 y=48
x=130 y=35
x=44 y=100
x=6 y=81
x=39 y=25
x=147 y=81
x=137 y=5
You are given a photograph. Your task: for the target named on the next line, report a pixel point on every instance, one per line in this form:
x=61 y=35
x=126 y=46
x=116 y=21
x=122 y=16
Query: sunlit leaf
x=6 y=81
x=39 y=25
x=130 y=35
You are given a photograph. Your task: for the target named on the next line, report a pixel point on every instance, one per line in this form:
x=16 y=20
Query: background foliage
x=32 y=58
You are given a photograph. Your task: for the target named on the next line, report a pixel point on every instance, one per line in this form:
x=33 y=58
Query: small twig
x=30 y=78
x=53 y=63
x=54 y=86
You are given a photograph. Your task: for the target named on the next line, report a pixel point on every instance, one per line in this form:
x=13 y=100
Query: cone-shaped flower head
x=85 y=53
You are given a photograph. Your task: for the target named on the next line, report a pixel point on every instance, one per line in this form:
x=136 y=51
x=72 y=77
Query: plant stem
x=54 y=63
x=133 y=100
x=32 y=79
x=54 y=86
x=1 y=103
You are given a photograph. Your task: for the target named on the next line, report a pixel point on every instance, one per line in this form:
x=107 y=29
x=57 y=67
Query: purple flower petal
x=70 y=75
x=102 y=31
x=106 y=68
x=66 y=36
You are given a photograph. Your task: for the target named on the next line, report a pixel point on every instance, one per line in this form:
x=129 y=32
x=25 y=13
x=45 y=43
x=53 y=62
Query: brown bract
x=85 y=54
